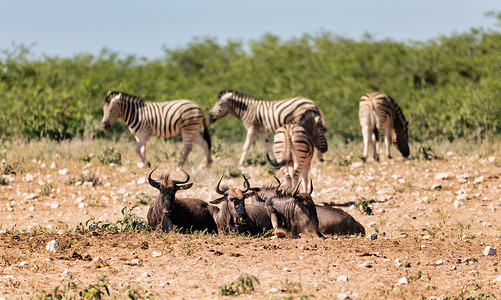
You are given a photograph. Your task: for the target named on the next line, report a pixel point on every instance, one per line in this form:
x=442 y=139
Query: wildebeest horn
x=246 y=184
x=297 y=188
x=217 y=186
x=153 y=182
x=311 y=187
x=279 y=183
x=185 y=181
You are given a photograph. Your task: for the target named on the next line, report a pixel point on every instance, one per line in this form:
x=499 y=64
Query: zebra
x=261 y=117
x=293 y=146
x=379 y=111
x=160 y=119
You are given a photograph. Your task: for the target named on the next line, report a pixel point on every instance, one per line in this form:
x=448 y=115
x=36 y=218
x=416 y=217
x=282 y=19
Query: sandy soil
x=433 y=221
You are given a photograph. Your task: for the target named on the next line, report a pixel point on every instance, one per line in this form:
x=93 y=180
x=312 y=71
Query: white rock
x=54 y=205
x=28 y=178
x=23 y=263
x=342 y=278
x=451 y=153
x=439 y=262
x=32 y=208
x=497 y=279
x=426 y=237
x=31 y=196
x=443 y=176
x=68 y=272
x=140 y=165
x=53 y=165
x=63 y=172
x=53 y=246
x=357 y=164
x=141 y=180
x=81 y=205
x=479 y=180
x=145 y=274
x=402 y=281
x=371 y=236
x=458 y=203
x=490 y=251
x=272 y=290
x=491 y=159
x=157 y=254
x=343 y=296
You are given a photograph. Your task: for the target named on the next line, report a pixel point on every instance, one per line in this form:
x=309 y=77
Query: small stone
x=343 y=296
x=53 y=246
x=453 y=268
x=67 y=272
x=402 y=281
x=54 y=205
x=28 y=178
x=31 y=196
x=457 y=203
x=436 y=187
x=357 y=164
x=145 y=275
x=141 y=180
x=140 y=165
x=23 y=263
x=372 y=236
x=489 y=251
x=342 y=278
x=365 y=265
x=272 y=290
x=497 y=279
x=63 y=172
x=156 y=254
x=443 y=176
x=426 y=237
x=407 y=265
x=398 y=264
x=439 y=262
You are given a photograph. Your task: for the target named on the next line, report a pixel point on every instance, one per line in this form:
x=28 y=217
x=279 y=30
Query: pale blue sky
x=143 y=28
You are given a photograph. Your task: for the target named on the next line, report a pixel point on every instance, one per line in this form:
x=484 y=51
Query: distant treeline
x=449 y=87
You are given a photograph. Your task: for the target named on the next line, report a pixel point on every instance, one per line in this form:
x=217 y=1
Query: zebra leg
x=140 y=147
x=248 y=141
x=387 y=140
x=366 y=133
x=202 y=143
x=375 y=144
x=306 y=169
x=187 y=137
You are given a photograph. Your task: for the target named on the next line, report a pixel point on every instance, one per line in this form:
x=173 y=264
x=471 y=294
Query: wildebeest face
x=168 y=188
x=235 y=201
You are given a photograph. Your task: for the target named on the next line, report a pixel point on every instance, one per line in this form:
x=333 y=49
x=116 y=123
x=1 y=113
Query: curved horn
x=153 y=182
x=246 y=184
x=297 y=188
x=185 y=181
x=279 y=183
x=217 y=186
x=272 y=163
x=311 y=187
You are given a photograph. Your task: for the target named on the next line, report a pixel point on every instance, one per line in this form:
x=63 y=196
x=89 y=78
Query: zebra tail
x=275 y=164
x=207 y=133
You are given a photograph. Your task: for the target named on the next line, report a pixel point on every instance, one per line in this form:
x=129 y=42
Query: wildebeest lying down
x=296 y=211
x=331 y=220
x=234 y=214
x=188 y=214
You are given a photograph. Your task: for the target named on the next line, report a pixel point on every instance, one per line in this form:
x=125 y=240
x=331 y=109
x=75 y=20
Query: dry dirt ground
x=433 y=221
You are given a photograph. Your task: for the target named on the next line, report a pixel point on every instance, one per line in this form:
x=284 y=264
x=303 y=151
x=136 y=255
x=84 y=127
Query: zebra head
x=318 y=135
x=111 y=109
x=400 y=138
x=221 y=107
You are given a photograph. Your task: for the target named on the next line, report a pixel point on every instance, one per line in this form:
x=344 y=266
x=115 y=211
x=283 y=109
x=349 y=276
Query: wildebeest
x=296 y=211
x=188 y=214
x=331 y=220
x=234 y=214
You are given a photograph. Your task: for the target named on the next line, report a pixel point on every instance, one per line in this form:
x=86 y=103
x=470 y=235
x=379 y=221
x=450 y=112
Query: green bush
x=110 y=155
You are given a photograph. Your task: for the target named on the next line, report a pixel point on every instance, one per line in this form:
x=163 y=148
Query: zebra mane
x=399 y=122
x=234 y=95
x=124 y=97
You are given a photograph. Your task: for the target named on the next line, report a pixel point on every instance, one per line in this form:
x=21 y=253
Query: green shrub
x=242 y=285
x=110 y=155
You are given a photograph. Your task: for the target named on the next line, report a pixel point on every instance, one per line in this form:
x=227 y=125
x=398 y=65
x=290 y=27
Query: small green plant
x=257 y=159
x=291 y=287
x=14 y=169
x=69 y=290
x=85 y=178
x=135 y=292
x=130 y=222
x=110 y=155
x=242 y=285
x=87 y=157
x=46 y=189
x=97 y=290
x=145 y=200
x=363 y=205
x=232 y=173
x=426 y=153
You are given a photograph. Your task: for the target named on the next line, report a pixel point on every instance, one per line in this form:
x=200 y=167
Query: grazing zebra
x=379 y=111
x=293 y=148
x=160 y=119
x=261 y=117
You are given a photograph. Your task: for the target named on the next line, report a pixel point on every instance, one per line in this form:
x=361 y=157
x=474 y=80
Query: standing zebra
x=293 y=148
x=379 y=111
x=160 y=119
x=261 y=117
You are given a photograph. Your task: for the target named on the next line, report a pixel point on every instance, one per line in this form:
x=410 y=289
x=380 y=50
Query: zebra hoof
x=148 y=164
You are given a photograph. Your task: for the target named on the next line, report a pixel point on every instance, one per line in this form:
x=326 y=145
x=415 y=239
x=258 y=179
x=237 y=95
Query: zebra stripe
x=261 y=117
x=159 y=119
x=379 y=111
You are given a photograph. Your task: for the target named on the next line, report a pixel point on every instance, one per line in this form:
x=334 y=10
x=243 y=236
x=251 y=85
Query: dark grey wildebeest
x=234 y=214
x=188 y=214
x=296 y=211
x=331 y=220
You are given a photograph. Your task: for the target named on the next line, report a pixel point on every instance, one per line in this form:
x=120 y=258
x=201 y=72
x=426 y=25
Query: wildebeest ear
x=185 y=186
x=217 y=201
